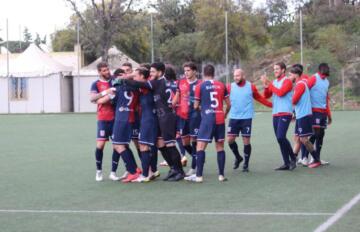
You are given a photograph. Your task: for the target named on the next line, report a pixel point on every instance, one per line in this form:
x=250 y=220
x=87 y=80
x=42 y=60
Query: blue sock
x=221 y=162
x=154 y=158
x=115 y=160
x=145 y=162
x=180 y=145
x=188 y=148
x=247 y=153
x=200 y=160
x=234 y=148
x=283 y=148
x=98 y=158
x=132 y=157
x=193 y=155
x=129 y=161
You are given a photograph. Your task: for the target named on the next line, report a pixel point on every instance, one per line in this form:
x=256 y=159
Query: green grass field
x=48 y=170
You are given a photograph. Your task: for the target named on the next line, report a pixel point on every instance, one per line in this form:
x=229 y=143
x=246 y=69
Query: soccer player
x=105 y=114
x=303 y=114
x=281 y=91
x=320 y=103
x=209 y=97
x=125 y=100
x=148 y=128
x=162 y=92
x=242 y=95
x=189 y=118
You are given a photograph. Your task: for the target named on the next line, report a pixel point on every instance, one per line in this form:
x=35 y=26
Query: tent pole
x=7 y=62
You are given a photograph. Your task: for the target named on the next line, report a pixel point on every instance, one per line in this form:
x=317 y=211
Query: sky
x=39 y=16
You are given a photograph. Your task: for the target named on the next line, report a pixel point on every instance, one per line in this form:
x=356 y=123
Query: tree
x=27 y=35
x=63 y=40
x=277 y=10
x=99 y=23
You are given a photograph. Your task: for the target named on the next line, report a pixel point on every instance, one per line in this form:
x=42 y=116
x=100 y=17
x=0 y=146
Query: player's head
x=239 y=75
x=103 y=70
x=127 y=67
x=190 y=70
x=209 y=71
x=141 y=74
x=324 y=69
x=157 y=70
x=145 y=65
x=279 y=69
x=119 y=73
x=170 y=73
x=295 y=73
x=299 y=66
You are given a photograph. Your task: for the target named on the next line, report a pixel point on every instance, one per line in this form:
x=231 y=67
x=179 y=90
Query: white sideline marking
x=339 y=214
x=163 y=212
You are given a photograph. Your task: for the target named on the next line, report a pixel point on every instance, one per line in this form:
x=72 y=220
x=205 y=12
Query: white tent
x=3 y=50
x=36 y=84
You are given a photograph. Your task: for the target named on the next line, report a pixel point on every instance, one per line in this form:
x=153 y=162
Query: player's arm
x=175 y=99
x=94 y=96
x=298 y=92
x=228 y=106
x=136 y=84
x=285 y=88
x=311 y=82
x=197 y=97
x=108 y=97
x=328 y=111
x=260 y=98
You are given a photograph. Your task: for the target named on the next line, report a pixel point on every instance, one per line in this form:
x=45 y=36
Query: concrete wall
x=3 y=95
x=84 y=105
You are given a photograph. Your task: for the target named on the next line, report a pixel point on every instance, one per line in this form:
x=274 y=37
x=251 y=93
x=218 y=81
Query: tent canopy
x=33 y=62
x=116 y=59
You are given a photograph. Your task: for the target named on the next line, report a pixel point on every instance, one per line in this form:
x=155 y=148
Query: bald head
x=239 y=75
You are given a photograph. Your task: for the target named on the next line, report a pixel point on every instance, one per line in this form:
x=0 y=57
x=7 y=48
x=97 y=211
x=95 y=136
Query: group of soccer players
x=155 y=110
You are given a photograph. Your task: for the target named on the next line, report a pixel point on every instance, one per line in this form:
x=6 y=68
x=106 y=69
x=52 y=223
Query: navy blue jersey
x=147 y=105
x=126 y=100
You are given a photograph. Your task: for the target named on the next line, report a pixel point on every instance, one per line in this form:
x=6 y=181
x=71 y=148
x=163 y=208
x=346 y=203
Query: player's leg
x=281 y=125
x=104 y=131
x=246 y=127
x=219 y=145
x=179 y=141
x=194 y=124
x=233 y=132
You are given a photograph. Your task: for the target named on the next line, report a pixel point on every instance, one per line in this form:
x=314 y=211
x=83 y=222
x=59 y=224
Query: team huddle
x=155 y=110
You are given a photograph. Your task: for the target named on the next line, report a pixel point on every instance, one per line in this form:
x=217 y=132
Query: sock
x=188 y=148
x=319 y=141
x=193 y=155
x=154 y=159
x=166 y=156
x=129 y=161
x=315 y=155
x=200 y=160
x=304 y=152
x=221 y=162
x=145 y=162
x=234 y=148
x=132 y=157
x=285 y=155
x=98 y=158
x=247 y=153
x=139 y=153
x=175 y=157
x=115 y=160
x=180 y=145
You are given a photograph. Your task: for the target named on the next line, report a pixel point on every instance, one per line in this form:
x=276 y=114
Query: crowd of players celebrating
x=153 y=108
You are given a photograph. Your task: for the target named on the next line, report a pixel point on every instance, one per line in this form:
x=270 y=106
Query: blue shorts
x=303 y=126
x=122 y=132
x=189 y=127
x=167 y=128
x=104 y=130
x=319 y=120
x=148 y=132
x=240 y=125
x=209 y=130
x=135 y=129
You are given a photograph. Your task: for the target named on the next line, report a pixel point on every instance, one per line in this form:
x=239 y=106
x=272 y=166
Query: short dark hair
x=190 y=65
x=296 y=70
x=127 y=64
x=159 y=66
x=209 y=70
x=145 y=65
x=299 y=66
x=101 y=65
x=324 y=69
x=143 y=71
x=118 y=72
x=170 y=73
x=281 y=65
